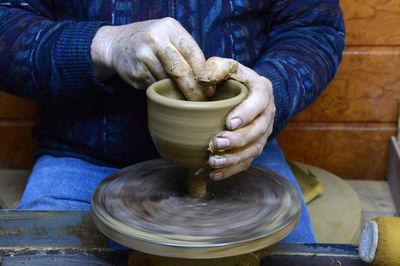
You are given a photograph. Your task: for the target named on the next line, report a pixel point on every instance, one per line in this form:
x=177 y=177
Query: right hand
x=144 y=52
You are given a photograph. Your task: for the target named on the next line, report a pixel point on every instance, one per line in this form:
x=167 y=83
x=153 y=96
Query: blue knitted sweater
x=45 y=56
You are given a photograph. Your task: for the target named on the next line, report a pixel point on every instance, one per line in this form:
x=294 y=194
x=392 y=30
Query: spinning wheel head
x=146 y=207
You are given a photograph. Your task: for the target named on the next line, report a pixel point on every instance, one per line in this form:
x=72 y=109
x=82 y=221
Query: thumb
x=217 y=69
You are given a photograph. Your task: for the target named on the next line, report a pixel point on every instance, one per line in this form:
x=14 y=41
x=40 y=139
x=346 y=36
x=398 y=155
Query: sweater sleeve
x=44 y=59
x=304 y=49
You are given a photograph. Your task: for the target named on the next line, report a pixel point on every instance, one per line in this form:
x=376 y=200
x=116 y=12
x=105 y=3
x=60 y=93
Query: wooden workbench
x=70 y=237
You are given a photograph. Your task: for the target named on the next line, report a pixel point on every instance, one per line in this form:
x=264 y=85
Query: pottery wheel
x=146 y=207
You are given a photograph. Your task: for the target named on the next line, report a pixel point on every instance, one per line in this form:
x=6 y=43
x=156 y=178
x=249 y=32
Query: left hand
x=249 y=124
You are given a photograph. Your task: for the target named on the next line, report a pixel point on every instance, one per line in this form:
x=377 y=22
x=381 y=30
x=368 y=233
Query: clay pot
x=181 y=129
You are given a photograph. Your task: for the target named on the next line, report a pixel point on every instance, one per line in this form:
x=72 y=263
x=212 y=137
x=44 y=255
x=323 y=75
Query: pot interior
x=225 y=90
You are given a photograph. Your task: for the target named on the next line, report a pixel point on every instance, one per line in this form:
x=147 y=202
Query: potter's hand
x=144 y=52
x=249 y=124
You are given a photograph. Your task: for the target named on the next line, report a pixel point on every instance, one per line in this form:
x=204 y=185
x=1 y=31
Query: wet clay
x=147 y=204
x=182 y=129
x=197 y=182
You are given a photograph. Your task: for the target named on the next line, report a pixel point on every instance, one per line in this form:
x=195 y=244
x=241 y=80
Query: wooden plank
x=349 y=150
x=54 y=237
x=375 y=198
x=310 y=254
x=308 y=259
x=71 y=257
x=49 y=229
x=66 y=237
x=16 y=144
x=372 y=22
x=366 y=88
x=16 y=107
x=281 y=254
x=374 y=195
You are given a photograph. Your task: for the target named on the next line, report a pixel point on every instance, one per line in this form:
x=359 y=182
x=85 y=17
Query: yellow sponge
x=380 y=241
x=309 y=183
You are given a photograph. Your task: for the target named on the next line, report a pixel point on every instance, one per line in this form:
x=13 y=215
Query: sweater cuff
x=275 y=73
x=73 y=59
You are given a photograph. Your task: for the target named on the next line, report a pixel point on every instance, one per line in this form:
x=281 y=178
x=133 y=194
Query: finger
x=260 y=97
x=209 y=91
x=147 y=77
x=190 y=50
x=217 y=69
x=226 y=172
x=181 y=72
x=139 y=76
x=153 y=64
x=155 y=67
x=227 y=140
x=237 y=156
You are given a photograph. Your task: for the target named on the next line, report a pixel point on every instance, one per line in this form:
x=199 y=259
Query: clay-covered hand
x=144 y=52
x=249 y=124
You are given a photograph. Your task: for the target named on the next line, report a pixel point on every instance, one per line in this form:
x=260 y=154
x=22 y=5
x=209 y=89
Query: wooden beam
x=366 y=88
x=349 y=150
x=16 y=144
x=12 y=107
x=372 y=22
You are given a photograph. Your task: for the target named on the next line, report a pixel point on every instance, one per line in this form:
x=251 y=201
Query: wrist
x=100 y=51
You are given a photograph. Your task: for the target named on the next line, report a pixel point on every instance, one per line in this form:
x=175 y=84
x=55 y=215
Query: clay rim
x=115 y=224
x=194 y=105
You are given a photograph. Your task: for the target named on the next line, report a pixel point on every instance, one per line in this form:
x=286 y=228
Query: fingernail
x=216 y=176
x=222 y=143
x=209 y=91
x=218 y=161
x=234 y=123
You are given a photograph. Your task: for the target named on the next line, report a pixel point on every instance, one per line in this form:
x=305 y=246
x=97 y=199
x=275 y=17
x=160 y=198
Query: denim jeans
x=63 y=183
